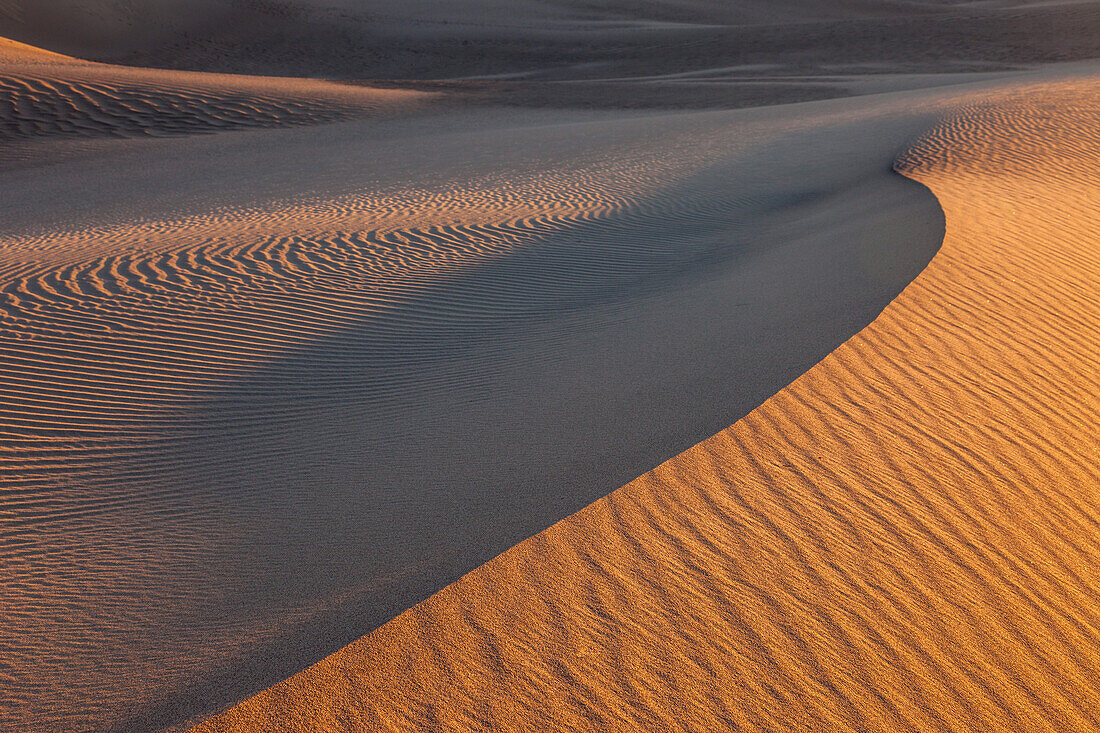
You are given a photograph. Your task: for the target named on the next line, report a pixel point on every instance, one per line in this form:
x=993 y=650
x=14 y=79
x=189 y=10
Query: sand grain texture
x=904 y=539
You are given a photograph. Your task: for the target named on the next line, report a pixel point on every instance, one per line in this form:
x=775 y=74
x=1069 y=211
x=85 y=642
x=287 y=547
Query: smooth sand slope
x=266 y=390
x=14 y=51
x=906 y=538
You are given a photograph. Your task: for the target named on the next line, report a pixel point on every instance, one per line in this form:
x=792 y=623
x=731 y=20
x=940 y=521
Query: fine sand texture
x=903 y=539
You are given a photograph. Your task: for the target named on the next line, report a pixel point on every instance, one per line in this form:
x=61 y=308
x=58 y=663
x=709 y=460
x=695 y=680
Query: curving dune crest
x=907 y=538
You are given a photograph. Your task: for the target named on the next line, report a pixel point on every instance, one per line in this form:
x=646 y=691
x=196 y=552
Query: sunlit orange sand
x=904 y=539
x=14 y=51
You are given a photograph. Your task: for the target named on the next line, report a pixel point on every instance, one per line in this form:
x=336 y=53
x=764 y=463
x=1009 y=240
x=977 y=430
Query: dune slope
x=33 y=106
x=14 y=51
x=904 y=539
x=45 y=96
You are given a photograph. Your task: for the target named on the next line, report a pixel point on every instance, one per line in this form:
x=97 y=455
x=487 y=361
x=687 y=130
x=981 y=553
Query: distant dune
x=553 y=38
x=46 y=96
x=100 y=101
x=905 y=538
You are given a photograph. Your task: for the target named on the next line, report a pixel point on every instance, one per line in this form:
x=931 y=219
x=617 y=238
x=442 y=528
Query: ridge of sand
x=904 y=539
x=46 y=96
x=14 y=51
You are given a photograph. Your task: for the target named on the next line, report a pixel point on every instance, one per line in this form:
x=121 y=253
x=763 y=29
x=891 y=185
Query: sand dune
x=902 y=539
x=265 y=391
x=14 y=51
x=45 y=96
x=564 y=39
x=38 y=106
x=382 y=376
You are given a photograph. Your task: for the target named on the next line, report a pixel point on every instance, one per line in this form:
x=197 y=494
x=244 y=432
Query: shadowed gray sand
x=47 y=102
x=558 y=39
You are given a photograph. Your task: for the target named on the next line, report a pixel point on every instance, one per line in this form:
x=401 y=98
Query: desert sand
x=348 y=372
x=904 y=538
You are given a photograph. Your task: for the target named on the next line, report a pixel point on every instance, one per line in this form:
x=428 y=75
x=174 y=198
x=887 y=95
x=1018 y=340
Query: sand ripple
x=44 y=106
x=906 y=538
x=44 y=95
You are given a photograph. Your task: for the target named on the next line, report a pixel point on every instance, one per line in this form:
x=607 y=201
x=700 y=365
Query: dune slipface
x=904 y=539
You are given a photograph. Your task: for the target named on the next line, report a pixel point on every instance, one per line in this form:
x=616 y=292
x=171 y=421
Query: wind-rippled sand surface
x=904 y=539
x=49 y=97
